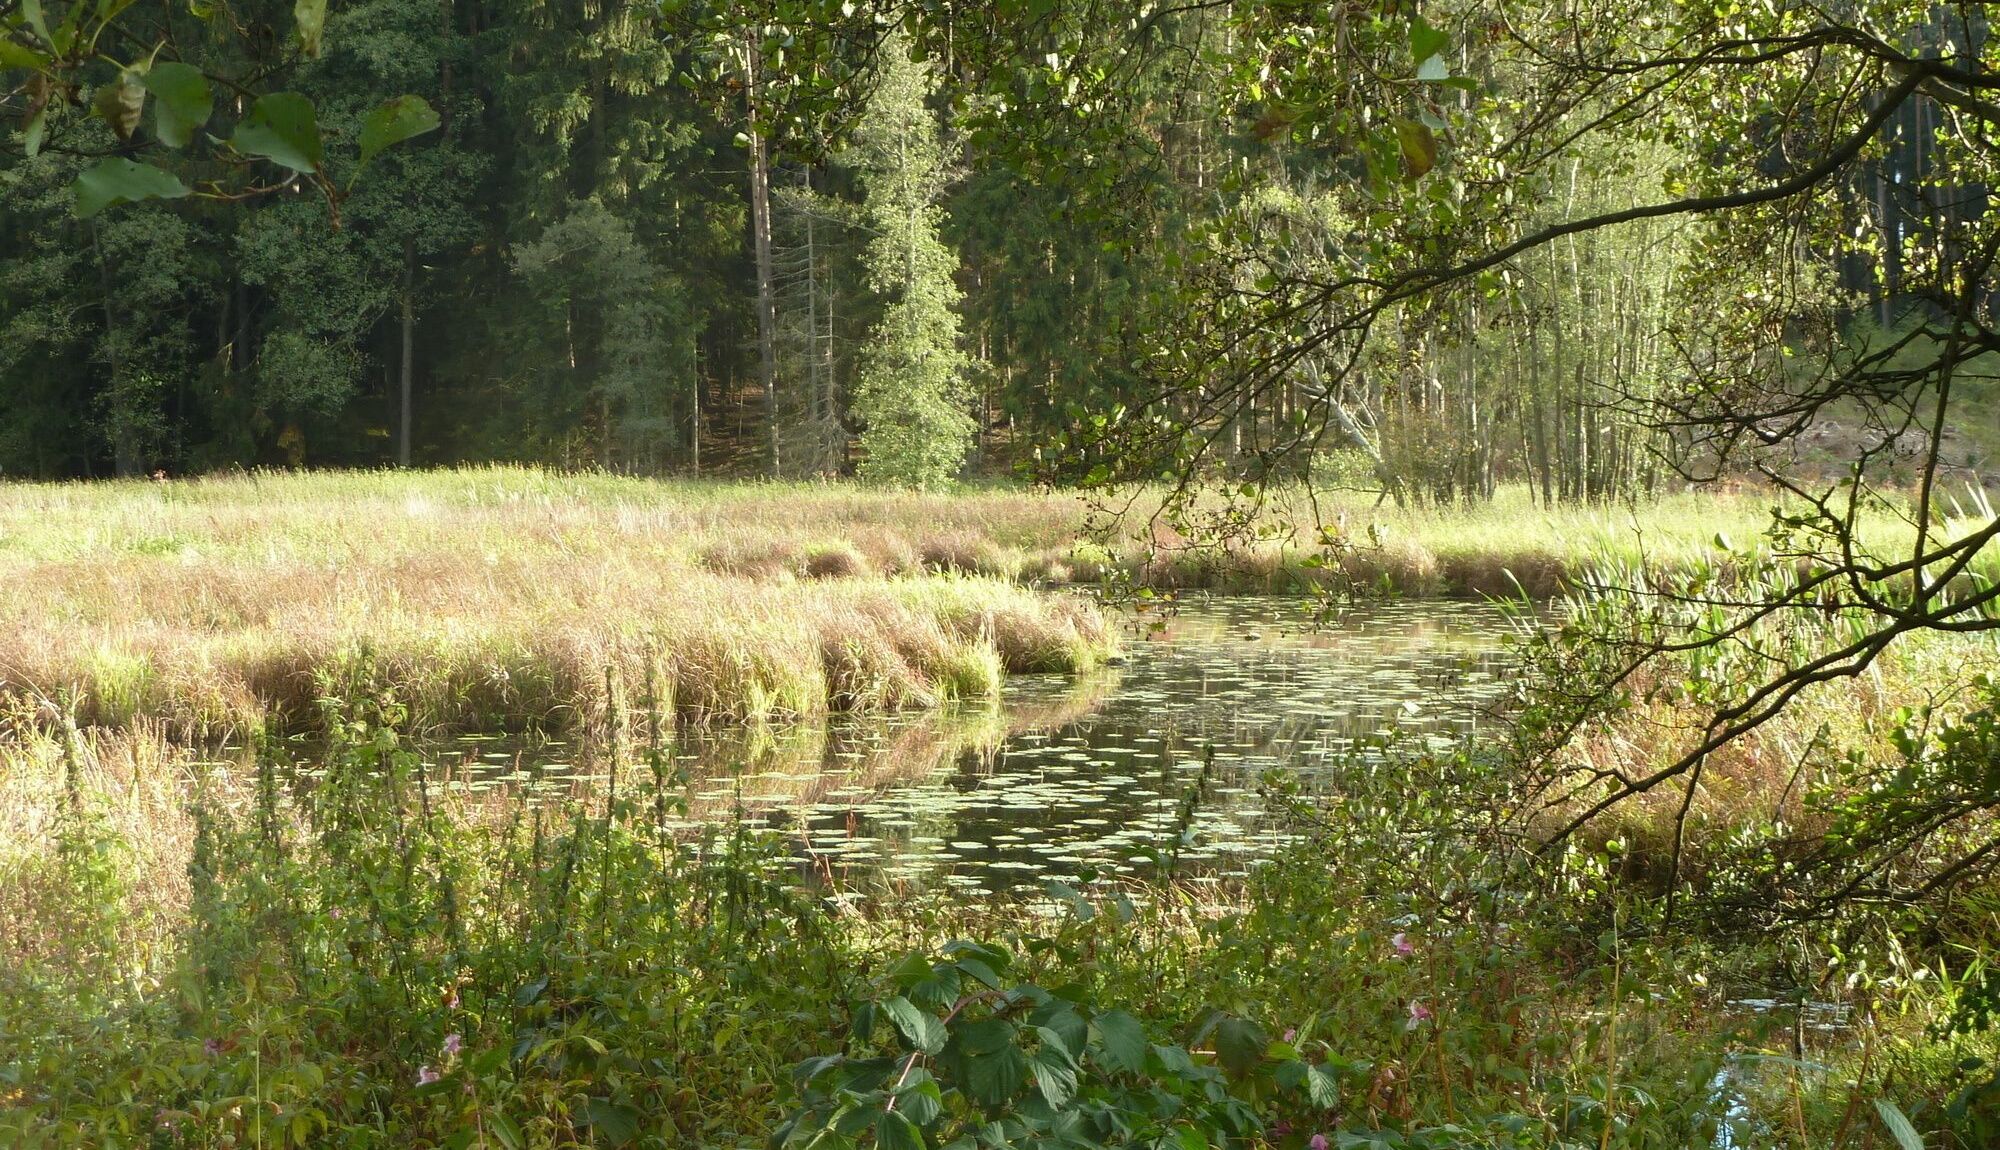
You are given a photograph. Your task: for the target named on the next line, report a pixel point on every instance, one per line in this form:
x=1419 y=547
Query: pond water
x=1073 y=774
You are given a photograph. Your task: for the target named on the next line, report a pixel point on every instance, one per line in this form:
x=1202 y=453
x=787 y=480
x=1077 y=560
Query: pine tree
x=913 y=392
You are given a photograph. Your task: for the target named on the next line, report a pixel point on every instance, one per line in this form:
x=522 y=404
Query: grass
x=511 y=598
x=503 y=596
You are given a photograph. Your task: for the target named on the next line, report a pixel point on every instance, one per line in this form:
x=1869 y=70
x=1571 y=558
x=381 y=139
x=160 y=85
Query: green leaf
x=282 y=128
x=31 y=135
x=181 y=101
x=895 y=1132
x=979 y=970
x=121 y=181
x=1433 y=70
x=506 y=1131
x=612 y=1122
x=1239 y=1044
x=1899 y=1125
x=400 y=119
x=1078 y=905
x=17 y=55
x=985 y=1036
x=1322 y=1087
x=1426 y=41
x=1121 y=1041
x=920 y=1098
x=924 y=1032
x=1055 y=1070
x=311 y=15
x=994 y=1079
x=31 y=11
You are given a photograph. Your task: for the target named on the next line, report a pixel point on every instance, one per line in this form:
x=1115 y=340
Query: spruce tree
x=912 y=392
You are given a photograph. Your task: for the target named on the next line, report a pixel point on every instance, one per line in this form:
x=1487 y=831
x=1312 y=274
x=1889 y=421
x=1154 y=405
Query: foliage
x=911 y=392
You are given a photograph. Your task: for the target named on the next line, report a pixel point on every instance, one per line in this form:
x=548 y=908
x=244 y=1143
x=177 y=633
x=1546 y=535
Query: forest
x=902 y=574
x=663 y=239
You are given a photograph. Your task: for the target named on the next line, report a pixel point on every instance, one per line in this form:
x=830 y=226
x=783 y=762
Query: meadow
x=206 y=950
x=516 y=598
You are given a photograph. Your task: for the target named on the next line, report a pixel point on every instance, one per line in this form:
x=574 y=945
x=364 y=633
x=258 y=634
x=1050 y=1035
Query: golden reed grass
x=510 y=598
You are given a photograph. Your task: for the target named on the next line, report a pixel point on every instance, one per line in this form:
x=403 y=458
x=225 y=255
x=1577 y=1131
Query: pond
x=1066 y=775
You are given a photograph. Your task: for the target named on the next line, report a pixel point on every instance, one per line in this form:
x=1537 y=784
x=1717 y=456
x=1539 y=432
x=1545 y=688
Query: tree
x=912 y=393
x=601 y=374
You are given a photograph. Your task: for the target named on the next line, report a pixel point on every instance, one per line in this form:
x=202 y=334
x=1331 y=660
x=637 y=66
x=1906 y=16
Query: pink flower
x=1401 y=944
x=426 y=1076
x=1291 y=1033
x=1318 y=1142
x=211 y=1048
x=451 y=1044
x=1419 y=1014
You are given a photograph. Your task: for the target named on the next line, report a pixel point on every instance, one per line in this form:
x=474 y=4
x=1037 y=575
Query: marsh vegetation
x=1034 y=574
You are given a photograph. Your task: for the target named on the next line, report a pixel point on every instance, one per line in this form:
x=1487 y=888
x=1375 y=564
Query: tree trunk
x=409 y=349
x=760 y=230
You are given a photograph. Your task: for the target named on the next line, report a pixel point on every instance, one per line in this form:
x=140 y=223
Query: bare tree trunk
x=760 y=229
x=409 y=348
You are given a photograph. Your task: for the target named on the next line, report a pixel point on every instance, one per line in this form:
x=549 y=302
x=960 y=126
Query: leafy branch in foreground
x=63 y=51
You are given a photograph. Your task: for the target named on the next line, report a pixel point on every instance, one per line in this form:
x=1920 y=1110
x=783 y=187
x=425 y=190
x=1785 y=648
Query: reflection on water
x=1068 y=774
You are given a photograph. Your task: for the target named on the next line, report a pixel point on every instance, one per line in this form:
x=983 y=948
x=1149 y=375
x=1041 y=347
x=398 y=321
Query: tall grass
x=500 y=598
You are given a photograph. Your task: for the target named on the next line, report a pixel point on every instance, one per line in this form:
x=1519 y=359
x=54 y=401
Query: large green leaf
x=396 y=121
x=895 y=1132
x=920 y=1098
x=1239 y=1044
x=614 y=1123
x=282 y=128
x=14 y=54
x=1426 y=41
x=122 y=181
x=1055 y=1070
x=993 y=1079
x=924 y=1032
x=181 y=101
x=1121 y=1041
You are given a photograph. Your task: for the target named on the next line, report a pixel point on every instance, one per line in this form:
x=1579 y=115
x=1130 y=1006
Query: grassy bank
x=192 y=959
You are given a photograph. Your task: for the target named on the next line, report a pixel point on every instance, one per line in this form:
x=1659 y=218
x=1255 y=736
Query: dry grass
x=505 y=597
x=502 y=596
x=1766 y=778
x=124 y=796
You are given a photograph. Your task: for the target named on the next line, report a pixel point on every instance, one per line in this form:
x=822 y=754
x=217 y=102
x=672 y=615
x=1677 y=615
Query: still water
x=1092 y=773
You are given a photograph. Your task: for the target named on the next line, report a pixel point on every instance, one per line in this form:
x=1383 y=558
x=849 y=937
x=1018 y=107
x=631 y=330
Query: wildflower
x=1291 y=1033
x=212 y=1048
x=1318 y=1142
x=451 y=1044
x=1419 y=1014
x=1401 y=944
x=426 y=1076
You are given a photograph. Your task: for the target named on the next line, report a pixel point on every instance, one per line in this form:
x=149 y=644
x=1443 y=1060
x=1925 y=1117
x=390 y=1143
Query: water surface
x=1068 y=775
